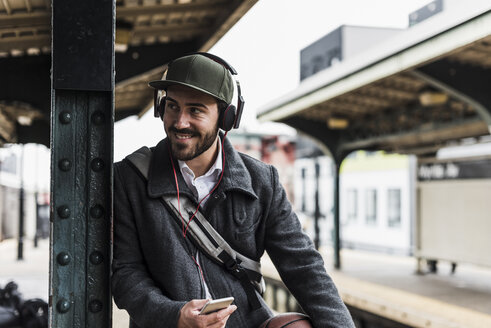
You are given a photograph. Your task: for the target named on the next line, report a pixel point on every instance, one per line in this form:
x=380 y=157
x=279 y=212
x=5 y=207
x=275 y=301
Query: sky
x=264 y=47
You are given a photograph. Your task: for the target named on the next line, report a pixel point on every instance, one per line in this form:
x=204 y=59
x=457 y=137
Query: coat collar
x=161 y=179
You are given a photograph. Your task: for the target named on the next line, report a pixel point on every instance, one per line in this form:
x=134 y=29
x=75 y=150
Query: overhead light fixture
x=337 y=123
x=24 y=120
x=123 y=35
x=433 y=98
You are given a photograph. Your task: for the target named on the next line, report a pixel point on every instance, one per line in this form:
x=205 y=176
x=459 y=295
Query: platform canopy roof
x=148 y=33
x=424 y=88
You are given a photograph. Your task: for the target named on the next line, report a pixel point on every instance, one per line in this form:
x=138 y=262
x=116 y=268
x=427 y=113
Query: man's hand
x=190 y=317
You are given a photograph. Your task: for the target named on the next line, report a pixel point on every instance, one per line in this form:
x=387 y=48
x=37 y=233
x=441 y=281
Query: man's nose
x=182 y=120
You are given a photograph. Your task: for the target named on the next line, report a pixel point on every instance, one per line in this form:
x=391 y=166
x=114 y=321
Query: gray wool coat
x=154 y=273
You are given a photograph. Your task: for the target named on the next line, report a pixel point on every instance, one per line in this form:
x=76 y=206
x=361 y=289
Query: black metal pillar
x=20 y=243
x=36 y=219
x=304 y=190
x=36 y=201
x=317 y=211
x=82 y=117
x=336 y=205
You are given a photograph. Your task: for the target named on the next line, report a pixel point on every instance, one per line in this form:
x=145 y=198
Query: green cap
x=201 y=73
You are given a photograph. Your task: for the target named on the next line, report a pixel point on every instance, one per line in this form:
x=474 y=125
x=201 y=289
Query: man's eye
x=171 y=106
x=195 y=110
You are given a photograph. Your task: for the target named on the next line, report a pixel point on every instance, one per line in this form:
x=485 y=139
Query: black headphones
x=228 y=118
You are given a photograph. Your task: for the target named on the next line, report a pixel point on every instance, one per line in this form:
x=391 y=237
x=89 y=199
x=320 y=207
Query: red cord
x=185 y=227
x=199 y=267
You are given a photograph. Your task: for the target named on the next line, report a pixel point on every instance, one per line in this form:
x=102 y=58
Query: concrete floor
x=32 y=273
x=469 y=287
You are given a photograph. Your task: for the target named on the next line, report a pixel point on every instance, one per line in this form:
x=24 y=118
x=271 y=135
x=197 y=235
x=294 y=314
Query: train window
x=394 y=207
x=371 y=206
x=352 y=202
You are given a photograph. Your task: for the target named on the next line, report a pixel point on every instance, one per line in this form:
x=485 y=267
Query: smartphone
x=216 y=305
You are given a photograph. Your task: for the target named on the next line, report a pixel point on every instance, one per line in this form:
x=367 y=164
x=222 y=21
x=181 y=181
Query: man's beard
x=204 y=142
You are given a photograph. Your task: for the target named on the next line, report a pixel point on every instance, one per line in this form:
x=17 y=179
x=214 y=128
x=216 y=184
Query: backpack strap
x=206 y=238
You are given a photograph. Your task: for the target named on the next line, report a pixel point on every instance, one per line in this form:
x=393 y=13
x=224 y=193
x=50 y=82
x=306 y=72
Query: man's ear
x=226 y=119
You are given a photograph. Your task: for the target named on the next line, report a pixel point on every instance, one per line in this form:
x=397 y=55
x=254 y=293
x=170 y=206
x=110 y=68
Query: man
x=159 y=276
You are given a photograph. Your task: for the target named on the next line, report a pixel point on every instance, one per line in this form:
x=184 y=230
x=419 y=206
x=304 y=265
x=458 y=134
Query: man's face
x=190 y=121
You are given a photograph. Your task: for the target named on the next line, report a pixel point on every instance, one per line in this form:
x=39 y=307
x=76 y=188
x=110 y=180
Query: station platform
x=32 y=273
x=388 y=286
x=385 y=285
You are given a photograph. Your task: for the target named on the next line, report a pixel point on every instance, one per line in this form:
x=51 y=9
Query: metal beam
x=37 y=41
x=330 y=143
x=81 y=163
x=436 y=133
x=37 y=18
x=468 y=83
x=171 y=30
x=326 y=138
x=167 y=9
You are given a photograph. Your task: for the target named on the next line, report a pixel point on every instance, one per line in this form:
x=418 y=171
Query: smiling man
x=160 y=276
x=191 y=124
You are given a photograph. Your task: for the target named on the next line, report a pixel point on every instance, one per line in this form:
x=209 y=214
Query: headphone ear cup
x=227 y=118
x=161 y=108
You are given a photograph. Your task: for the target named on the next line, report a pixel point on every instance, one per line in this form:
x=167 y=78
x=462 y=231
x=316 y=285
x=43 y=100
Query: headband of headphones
x=229 y=118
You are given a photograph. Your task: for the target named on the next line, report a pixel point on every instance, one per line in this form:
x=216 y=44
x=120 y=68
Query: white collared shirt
x=201 y=186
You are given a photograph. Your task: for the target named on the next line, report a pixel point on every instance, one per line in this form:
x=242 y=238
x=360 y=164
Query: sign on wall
x=461 y=169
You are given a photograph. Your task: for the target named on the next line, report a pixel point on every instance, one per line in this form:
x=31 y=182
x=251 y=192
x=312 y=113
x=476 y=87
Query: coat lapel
x=236 y=176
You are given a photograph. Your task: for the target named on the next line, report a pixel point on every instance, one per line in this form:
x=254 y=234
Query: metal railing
x=279 y=297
